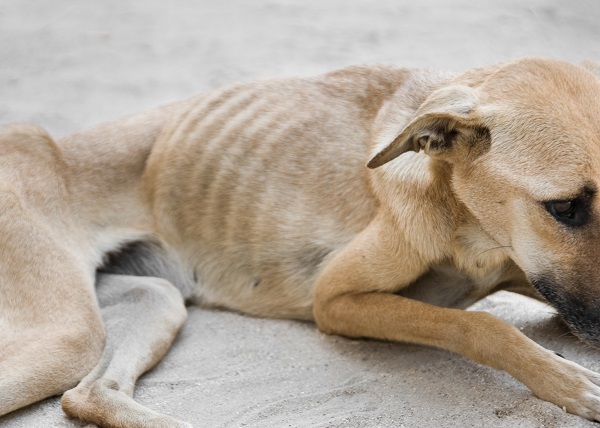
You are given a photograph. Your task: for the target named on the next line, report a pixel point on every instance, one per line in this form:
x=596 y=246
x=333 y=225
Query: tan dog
x=257 y=198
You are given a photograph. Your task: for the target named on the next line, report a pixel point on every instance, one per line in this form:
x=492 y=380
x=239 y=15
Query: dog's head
x=523 y=141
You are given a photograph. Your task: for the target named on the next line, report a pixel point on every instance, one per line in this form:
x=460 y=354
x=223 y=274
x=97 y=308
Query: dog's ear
x=591 y=65
x=435 y=126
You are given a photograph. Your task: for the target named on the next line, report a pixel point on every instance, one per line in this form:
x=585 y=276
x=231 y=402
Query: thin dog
x=377 y=201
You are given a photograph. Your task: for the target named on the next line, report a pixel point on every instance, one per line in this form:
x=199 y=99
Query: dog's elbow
x=322 y=316
x=332 y=315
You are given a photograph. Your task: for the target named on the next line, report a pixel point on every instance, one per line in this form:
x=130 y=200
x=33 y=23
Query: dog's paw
x=101 y=402
x=587 y=401
x=573 y=388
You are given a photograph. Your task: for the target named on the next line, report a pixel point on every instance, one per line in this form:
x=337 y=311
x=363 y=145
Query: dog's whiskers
x=500 y=247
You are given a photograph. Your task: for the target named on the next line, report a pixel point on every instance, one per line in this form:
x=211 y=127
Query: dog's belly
x=258 y=192
x=254 y=288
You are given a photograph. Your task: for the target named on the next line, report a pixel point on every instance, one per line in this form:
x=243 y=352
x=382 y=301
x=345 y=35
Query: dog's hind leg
x=51 y=333
x=142 y=316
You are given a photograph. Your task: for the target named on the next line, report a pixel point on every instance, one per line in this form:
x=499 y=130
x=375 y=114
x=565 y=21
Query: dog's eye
x=563 y=208
x=571 y=213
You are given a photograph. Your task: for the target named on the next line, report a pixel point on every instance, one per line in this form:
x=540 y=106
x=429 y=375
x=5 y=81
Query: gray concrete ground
x=67 y=64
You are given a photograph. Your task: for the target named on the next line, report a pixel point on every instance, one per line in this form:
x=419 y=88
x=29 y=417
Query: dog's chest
x=446 y=286
x=477 y=268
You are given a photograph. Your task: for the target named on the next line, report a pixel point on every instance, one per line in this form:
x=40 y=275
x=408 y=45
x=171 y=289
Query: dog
x=377 y=201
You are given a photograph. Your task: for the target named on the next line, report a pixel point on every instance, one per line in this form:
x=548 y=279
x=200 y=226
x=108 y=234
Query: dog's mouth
x=582 y=317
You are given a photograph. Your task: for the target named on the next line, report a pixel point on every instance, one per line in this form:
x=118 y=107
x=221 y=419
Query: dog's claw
x=588 y=404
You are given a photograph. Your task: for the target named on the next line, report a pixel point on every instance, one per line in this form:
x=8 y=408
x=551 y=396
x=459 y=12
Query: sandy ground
x=66 y=65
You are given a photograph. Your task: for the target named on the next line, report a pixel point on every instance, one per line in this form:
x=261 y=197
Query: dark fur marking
x=150 y=258
x=549 y=290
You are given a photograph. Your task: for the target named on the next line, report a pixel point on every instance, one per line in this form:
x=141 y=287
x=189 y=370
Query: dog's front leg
x=142 y=317
x=354 y=297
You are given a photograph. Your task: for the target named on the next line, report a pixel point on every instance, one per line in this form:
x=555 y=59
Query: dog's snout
x=581 y=314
